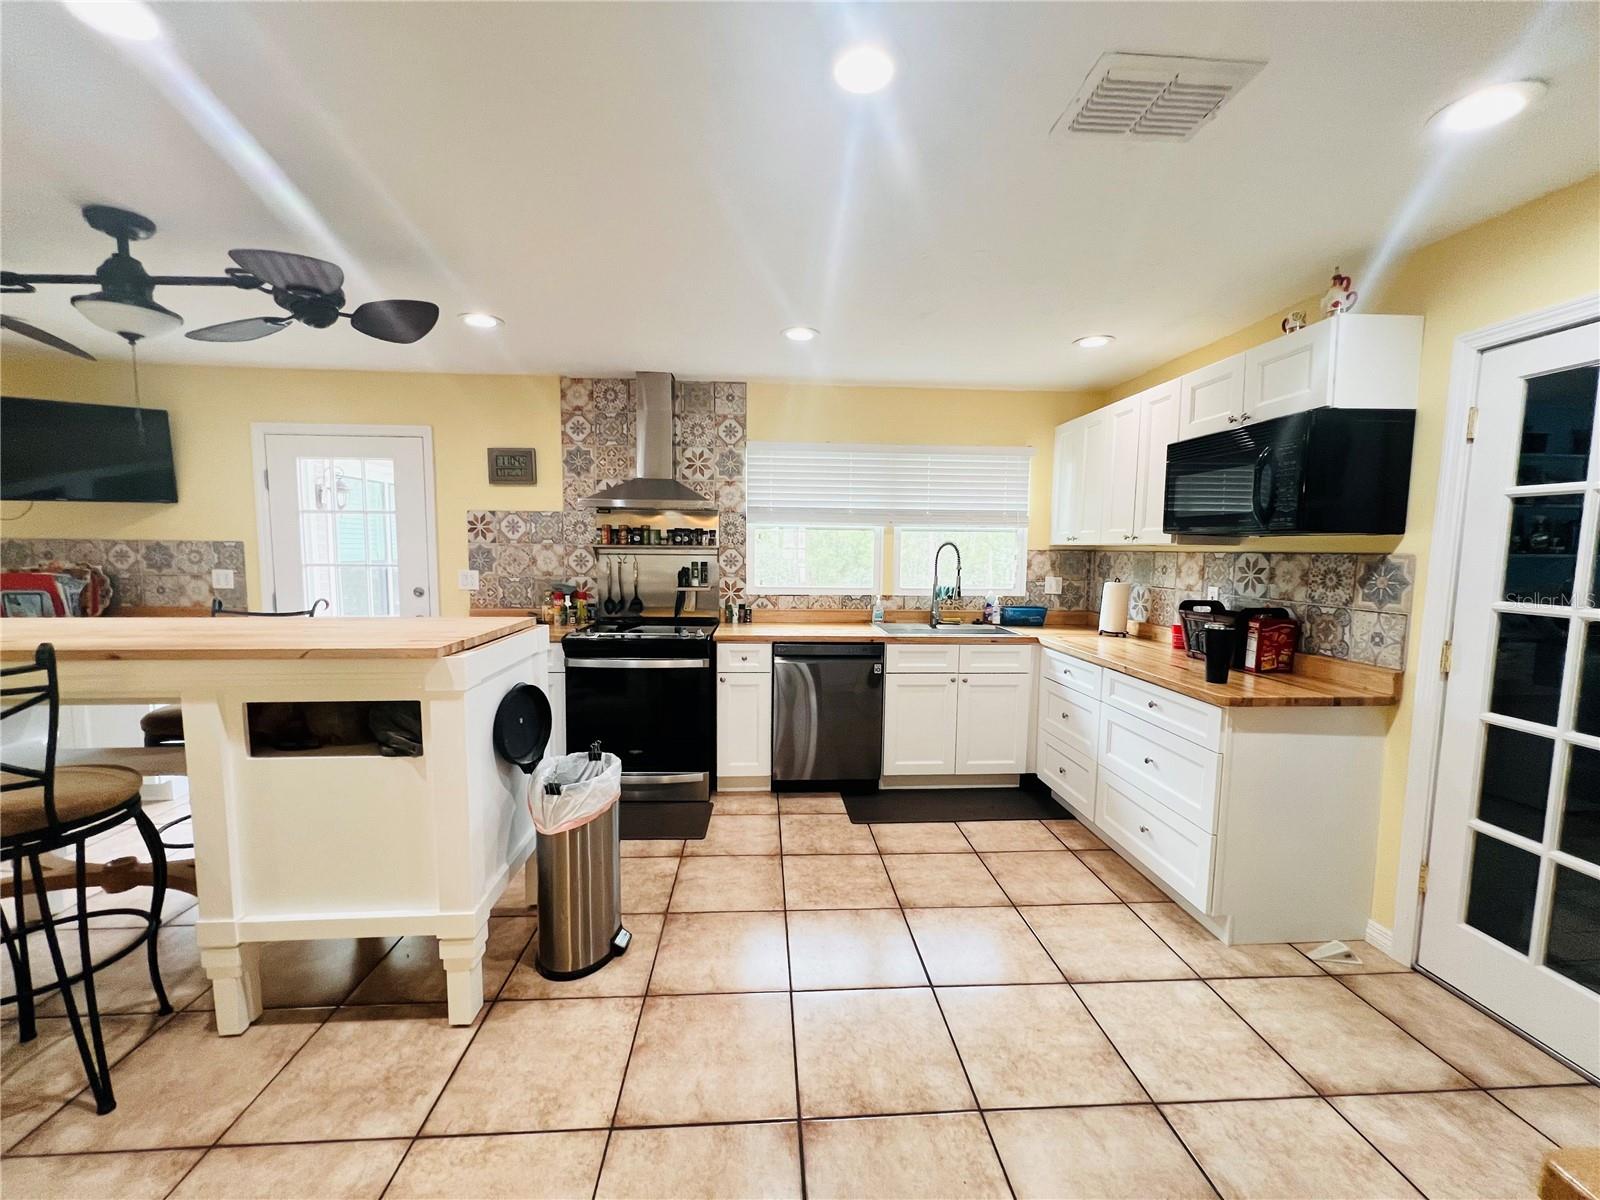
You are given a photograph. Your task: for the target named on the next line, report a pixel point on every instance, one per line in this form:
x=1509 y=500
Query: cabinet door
x=992 y=724
x=1121 y=489
x=1096 y=452
x=1158 y=429
x=919 y=724
x=744 y=724
x=1066 y=493
x=1289 y=374
x=556 y=689
x=1211 y=399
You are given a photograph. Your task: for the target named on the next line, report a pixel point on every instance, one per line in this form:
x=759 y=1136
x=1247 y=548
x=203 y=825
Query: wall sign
x=512 y=464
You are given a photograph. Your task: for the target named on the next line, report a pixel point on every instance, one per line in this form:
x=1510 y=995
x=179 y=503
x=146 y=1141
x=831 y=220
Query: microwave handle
x=1262 y=488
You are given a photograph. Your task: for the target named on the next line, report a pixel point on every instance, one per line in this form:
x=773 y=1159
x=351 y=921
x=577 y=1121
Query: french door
x=1511 y=916
x=347 y=521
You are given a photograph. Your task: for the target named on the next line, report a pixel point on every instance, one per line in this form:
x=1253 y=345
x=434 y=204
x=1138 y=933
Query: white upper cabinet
x=1211 y=399
x=1077 y=497
x=1158 y=429
x=1289 y=374
x=1122 y=487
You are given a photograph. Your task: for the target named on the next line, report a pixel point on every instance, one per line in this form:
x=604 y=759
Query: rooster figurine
x=1340 y=297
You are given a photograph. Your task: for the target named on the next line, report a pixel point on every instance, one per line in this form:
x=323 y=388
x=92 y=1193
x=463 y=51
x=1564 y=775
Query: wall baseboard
x=1380 y=937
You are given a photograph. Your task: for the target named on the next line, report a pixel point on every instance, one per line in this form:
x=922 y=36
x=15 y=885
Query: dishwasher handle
x=806 y=651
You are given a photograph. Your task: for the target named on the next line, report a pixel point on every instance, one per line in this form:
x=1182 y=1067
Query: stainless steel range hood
x=654 y=489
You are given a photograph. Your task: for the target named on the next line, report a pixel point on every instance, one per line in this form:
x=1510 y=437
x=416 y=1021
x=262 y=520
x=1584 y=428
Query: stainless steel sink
x=921 y=629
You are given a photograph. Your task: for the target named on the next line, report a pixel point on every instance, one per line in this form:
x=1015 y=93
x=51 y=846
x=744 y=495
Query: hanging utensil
x=636 y=605
x=608 y=605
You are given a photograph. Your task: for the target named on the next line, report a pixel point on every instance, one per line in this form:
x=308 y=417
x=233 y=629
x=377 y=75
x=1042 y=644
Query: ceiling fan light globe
x=126 y=318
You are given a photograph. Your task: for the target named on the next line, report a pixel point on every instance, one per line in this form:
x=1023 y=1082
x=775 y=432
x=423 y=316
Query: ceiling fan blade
x=395 y=320
x=287 y=271
x=247 y=330
x=39 y=335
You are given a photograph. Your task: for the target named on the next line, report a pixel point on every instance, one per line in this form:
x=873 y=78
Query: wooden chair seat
x=164 y=724
x=147 y=760
x=80 y=793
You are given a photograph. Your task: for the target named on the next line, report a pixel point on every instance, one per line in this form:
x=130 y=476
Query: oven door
x=655 y=714
x=1242 y=482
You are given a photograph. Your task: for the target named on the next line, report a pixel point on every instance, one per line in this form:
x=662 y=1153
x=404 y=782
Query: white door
x=348 y=521
x=1290 y=374
x=1511 y=912
x=919 y=724
x=1158 y=429
x=1066 y=492
x=992 y=724
x=744 y=724
x=1121 y=489
x=1211 y=399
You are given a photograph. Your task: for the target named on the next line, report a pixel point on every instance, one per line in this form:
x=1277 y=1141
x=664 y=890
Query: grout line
x=794 y=1033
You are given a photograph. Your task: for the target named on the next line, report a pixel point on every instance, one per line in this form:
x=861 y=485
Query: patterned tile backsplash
x=1352 y=606
x=156 y=574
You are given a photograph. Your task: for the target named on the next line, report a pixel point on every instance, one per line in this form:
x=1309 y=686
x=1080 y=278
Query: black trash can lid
x=522 y=726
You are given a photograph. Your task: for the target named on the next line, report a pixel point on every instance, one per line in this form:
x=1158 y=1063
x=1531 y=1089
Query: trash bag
x=570 y=790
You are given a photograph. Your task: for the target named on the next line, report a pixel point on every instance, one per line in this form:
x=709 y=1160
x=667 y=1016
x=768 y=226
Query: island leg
x=235 y=974
x=463 y=974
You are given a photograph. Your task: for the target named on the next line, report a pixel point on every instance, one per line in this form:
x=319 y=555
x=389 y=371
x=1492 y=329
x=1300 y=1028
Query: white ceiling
x=667 y=186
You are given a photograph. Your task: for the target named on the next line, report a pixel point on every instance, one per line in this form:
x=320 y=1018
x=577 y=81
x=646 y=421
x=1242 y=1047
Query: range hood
x=654 y=489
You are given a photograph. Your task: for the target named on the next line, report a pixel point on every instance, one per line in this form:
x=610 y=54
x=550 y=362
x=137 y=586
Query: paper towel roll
x=1114 y=608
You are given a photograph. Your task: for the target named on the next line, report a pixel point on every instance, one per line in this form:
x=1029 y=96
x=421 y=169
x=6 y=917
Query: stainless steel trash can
x=580 y=898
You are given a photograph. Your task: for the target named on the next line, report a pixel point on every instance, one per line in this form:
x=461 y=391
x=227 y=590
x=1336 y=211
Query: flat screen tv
x=51 y=450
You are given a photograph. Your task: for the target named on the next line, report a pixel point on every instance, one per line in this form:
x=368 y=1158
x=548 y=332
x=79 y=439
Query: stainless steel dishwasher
x=827 y=712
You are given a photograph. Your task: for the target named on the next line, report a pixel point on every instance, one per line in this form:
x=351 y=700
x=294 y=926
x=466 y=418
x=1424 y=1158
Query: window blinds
x=807 y=483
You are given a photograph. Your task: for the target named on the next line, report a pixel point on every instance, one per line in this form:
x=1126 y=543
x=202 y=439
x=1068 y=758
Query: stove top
x=637 y=631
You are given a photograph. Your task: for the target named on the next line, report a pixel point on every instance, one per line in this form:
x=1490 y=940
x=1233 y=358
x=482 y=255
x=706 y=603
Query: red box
x=1269 y=645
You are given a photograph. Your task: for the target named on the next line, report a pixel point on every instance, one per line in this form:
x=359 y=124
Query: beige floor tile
x=885 y=1050
x=979 y=945
x=175 y=905
x=41 y=1076
x=943 y=881
x=182 y=1086
x=533 y=1166
x=1074 y=835
x=652 y=847
x=810 y=802
x=921 y=837
x=729 y=884
x=1035 y=1046
x=1047 y=877
x=1009 y=835
x=1121 y=876
x=733 y=834
x=825 y=833
x=368 y=1073
x=1103 y=943
x=539 y=1065
x=1568 y=1116
x=836 y=881
x=1183 y=1043
x=1211 y=959
x=335 y=1170
x=513 y=902
x=313 y=974
x=852 y=948
x=722 y=952
x=700 y=1059
x=1339 y=1044
x=623 y=976
x=1475 y=1044
x=647 y=883
x=902 y=1158
x=413 y=974
x=147 y=1176
x=725 y=1162
x=1122 y=1153
x=745 y=804
x=1285 y=1149
x=1452 y=1144
x=1373 y=961
x=124 y=986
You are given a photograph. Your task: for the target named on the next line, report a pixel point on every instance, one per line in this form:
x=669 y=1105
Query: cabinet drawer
x=899 y=658
x=997 y=660
x=1068 y=717
x=1171 y=770
x=1175 y=852
x=1201 y=723
x=744 y=656
x=1073 y=672
x=1068 y=775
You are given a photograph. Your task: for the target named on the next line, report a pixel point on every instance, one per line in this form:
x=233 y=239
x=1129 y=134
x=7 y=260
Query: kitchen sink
x=921 y=629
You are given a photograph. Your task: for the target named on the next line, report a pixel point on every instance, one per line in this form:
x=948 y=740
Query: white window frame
x=1019 y=584
x=754 y=589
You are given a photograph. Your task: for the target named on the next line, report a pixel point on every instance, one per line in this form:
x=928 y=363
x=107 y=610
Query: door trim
x=1444 y=568
x=259 y=431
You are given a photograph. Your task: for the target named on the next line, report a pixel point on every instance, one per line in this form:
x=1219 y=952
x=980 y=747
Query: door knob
x=418 y=592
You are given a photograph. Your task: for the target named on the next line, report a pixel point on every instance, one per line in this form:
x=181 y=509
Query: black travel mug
x=1219 y=651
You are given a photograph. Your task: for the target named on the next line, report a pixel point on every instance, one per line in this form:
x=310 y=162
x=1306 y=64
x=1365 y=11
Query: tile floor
x=814 y=1008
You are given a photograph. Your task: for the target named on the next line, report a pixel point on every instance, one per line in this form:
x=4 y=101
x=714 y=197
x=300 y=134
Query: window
x=815 y=559
x=993 y=561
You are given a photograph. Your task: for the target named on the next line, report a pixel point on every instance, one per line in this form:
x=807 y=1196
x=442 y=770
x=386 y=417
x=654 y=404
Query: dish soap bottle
x=877 y=608
x=991 y=611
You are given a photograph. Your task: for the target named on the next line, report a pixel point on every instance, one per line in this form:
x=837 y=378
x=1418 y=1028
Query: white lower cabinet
x=919 y=724
x=556 y=689
x=972 y=724
x=1068 y=774
x=1177 y=853
x=992 y=724
x=744 y=723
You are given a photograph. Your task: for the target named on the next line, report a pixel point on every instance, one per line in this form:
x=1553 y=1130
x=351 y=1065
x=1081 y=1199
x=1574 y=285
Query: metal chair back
x=23 y=688
x=316 y=606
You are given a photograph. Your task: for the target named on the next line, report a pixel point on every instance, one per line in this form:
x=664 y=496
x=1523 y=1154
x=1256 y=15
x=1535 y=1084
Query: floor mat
x=952 y=804
x=653 y=820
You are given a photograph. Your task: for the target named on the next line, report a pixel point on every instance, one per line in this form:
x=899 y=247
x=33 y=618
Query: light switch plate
x=221 y=578
x=1052 y=585
x=1213 y=592
x=467 y=581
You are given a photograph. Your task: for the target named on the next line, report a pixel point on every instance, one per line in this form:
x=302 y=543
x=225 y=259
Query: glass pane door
x=349 y=543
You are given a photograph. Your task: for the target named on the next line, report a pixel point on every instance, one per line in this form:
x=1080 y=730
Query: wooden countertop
x=117 y=638
x=852 y=631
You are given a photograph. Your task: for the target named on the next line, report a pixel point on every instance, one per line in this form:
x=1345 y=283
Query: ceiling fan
x=308 y=290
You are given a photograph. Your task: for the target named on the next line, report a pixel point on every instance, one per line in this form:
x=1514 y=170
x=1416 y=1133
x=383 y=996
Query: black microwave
x=1330 y=470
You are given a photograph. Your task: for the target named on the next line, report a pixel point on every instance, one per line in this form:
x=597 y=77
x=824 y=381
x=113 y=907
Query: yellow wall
x=212 y=410
x=1535 y=256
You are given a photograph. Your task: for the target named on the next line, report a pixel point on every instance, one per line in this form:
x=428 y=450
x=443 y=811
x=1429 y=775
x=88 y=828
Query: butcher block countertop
x=117 y=638
x=851 y=631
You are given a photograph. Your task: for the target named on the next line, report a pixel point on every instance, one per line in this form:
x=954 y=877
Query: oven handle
x=620 y=663
x=646 y=777
x=1263 y=481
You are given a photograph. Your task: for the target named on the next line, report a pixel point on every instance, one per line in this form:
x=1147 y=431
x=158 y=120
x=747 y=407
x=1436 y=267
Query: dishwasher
x=827 y=713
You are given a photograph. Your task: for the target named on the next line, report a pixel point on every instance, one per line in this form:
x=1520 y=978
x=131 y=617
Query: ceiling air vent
x=1153 y=96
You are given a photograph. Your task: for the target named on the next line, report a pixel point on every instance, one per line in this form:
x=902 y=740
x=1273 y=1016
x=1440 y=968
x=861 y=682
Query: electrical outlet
x=1052 y=585
x=1213 y=592
x=467 y=581
x=221 y=578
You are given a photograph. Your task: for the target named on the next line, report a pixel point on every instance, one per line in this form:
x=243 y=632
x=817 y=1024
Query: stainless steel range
x=644 y=688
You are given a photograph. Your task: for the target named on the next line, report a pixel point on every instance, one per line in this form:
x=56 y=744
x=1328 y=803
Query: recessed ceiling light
x=1094 y=341
x=800 y=333
x=481 y=320
x=1488 y=106
x=129 y=19
x=863 y=69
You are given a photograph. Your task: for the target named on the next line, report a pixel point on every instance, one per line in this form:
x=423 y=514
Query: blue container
x=1022 y=614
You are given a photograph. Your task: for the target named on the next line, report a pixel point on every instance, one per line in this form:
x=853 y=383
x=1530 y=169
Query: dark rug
x=650 y=820
x=952 y=804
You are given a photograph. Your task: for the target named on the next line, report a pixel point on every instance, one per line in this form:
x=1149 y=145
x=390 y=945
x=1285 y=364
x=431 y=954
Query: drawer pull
x=1063 y=716
x=1150 y=704
x=952 y=679
x=1061 y=770
x=722 y=679
x=1144 y=829
x=1148 y=761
